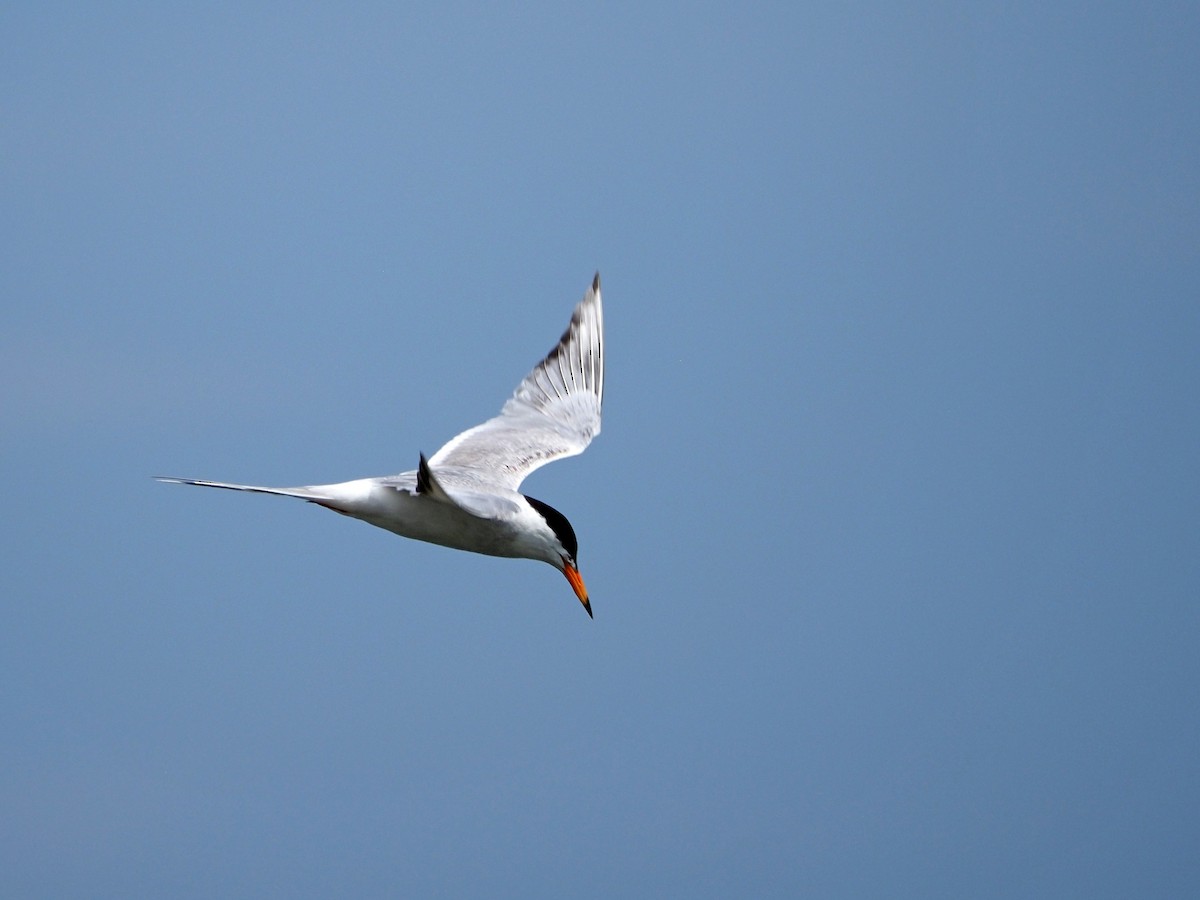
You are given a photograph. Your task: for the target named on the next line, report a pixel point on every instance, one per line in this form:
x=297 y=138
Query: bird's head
x=563 y=548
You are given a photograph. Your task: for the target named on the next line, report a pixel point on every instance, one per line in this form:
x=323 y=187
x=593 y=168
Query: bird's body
x=495 y=522
x=466 y=496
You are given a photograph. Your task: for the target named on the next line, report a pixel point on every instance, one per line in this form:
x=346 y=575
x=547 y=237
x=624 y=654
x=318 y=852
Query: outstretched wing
x=554 y=412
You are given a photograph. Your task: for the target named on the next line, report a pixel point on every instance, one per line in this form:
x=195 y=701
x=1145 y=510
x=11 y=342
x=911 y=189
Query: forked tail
x=301 y=492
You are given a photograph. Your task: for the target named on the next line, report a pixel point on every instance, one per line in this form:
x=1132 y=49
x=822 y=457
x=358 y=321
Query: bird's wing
x=554 y=412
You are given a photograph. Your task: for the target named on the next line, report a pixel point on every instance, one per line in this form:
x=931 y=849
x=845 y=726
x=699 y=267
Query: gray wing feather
x=554 y=412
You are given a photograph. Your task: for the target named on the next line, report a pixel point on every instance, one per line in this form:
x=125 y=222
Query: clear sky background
x=892 y=533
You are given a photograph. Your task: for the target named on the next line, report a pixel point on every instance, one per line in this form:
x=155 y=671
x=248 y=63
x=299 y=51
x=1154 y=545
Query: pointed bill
x=576 y=580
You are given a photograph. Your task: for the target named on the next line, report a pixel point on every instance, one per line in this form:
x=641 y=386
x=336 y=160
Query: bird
x=466 y=495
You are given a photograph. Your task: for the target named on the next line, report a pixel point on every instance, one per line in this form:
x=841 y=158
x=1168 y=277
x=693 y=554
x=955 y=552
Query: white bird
x=465 y=496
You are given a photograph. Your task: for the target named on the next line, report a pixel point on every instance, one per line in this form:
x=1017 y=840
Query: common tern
x=465 y=496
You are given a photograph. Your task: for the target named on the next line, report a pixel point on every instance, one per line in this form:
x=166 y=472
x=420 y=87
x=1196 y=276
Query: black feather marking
x=429 y=486
x=425 y=482
x=558 y=524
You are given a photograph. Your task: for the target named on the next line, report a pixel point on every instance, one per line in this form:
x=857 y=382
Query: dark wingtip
x=424 y=479
x=596 y=283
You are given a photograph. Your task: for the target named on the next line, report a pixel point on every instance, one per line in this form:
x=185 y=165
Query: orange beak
x=576 y=580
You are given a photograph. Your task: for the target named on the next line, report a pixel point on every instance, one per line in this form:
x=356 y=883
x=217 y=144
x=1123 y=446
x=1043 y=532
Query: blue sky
x=890 y=533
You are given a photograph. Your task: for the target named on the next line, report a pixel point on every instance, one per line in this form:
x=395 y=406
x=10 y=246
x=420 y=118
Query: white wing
x=554 y=412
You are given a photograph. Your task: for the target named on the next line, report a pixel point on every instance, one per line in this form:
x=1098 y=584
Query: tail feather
x=302 y=492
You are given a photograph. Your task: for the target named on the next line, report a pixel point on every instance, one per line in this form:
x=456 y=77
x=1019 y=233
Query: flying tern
x=465 y=496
